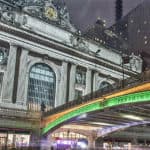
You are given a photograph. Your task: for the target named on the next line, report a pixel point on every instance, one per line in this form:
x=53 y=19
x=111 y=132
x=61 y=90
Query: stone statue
x=78 y=42
x=48 y=10
x=8 y=16
x=135 y=62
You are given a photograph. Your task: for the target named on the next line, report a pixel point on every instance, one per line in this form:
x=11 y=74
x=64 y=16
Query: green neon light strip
x=125 y=99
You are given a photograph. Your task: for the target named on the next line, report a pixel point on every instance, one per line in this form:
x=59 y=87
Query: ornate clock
x=51 y=13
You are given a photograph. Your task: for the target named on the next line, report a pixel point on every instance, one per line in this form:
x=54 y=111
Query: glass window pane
x=42 y=84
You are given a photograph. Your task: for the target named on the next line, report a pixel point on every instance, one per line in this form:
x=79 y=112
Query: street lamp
x=125 y=60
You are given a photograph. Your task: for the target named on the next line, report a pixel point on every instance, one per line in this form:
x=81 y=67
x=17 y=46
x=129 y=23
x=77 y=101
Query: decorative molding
x=31 y=37
x=8 y=14
x=135 y=63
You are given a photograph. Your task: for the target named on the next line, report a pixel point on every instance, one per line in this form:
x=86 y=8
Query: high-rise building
x=129 y=34
x=119 y=9
x=134 y=29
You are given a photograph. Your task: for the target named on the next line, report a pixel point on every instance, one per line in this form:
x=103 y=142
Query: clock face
x=51 y=13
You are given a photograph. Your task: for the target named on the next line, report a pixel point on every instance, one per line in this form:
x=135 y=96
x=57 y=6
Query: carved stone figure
x=8 y=16
x=78 y=42
x=48 y=10
x=135 y=62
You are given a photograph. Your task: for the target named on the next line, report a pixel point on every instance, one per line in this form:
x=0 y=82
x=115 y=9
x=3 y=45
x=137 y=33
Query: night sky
x=84 y=13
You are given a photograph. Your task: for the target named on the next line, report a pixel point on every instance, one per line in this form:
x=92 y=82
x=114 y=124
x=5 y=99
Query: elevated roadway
x=107 y=111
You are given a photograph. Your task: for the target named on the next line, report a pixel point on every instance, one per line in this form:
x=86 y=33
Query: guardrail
x=128 y=83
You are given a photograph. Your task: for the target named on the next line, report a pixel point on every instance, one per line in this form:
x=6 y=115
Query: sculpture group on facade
x=47 y=10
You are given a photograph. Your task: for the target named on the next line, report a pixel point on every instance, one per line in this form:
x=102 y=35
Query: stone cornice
x=36 y=38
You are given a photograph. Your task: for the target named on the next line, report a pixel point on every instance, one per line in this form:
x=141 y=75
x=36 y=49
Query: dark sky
x=85 y=12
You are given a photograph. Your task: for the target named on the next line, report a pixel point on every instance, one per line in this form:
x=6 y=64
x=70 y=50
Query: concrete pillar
x=91 y=142
x=50 y=141
x=35 y=139
x=145 y=142
x=63 y=84
x=129 y=146
x=88 y=81
x=14 y=140
x=95 y=87
x=45 y=143
x=72 y=82
x=21 y=94
x=8 y=85
x=134 y=141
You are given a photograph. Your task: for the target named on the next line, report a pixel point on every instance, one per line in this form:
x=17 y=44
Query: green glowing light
x=120 y=100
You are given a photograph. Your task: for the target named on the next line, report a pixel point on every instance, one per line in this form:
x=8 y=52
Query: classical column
x=95 y=88
x=8 y=85
x=50 y=141
x=35 y=138
x=63 y=84
x=21 y=94
x=72 y=82
x=134 y=141
x=88 y=81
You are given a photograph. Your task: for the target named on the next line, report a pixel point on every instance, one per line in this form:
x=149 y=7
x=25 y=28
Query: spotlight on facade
x=132 y=117
x=81 y=145
x=82 y=116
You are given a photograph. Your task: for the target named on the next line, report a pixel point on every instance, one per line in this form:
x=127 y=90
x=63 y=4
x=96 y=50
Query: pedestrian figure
x=43 y=107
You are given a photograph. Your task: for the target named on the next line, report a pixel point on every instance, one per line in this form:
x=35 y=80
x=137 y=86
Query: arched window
x=105 y=86
x=41 y=88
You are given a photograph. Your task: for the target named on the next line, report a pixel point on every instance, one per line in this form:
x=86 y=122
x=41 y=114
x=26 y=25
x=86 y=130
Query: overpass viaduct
x=103 y=112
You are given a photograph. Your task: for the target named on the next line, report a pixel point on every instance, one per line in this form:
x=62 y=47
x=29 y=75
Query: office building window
x=41 y=89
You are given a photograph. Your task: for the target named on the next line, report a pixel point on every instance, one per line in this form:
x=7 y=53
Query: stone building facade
x=44 y=59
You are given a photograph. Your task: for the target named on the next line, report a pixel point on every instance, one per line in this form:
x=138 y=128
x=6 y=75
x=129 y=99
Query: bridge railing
x=128 y=83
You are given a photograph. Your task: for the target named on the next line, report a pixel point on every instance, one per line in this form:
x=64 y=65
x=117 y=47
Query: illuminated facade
x=44 y=59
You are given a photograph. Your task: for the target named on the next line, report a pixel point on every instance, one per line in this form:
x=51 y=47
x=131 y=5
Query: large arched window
x=105 y=86
x=41 y=88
